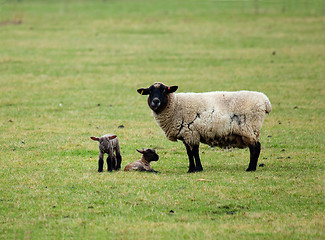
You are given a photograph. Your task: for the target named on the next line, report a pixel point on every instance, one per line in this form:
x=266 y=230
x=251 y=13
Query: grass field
x=70 y=69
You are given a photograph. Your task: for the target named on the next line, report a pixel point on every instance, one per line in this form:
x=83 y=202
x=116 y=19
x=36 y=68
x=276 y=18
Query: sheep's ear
x=95 y=138
x=172 y=89
x=140 y=151
x=144 y=91
x=112 y=137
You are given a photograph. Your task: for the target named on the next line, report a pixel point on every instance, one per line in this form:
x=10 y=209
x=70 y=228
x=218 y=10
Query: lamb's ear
x=112 y=137
x=140 y=151
x=95 y=138
x=172 y=89
x=144 y=91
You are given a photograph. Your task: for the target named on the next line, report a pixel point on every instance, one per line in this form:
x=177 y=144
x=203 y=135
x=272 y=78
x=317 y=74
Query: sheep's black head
x=149 y=154
x=158 y=95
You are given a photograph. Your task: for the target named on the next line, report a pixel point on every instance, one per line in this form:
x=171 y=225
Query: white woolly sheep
x=223 y=119
x=143 y=164
x=108 y=144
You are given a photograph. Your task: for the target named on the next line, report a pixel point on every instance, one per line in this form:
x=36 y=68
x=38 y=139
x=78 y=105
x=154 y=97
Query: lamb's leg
x=114 y=163
x=190 y=158
x=254 y=154
x=152 y=170
x=100 y=162
x=198 y=165
x=118 y=159
x=109 y=161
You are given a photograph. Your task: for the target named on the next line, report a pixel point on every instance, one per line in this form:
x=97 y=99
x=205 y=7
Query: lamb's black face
x=158 y=95
x=150 y=155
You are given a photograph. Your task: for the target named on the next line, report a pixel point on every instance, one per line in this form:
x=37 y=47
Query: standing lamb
x=223 y=119
x=143 y=164
x=108 y=144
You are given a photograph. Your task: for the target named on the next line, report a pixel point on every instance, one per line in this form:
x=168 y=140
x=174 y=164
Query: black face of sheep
x=158 y=96
x=149 y=155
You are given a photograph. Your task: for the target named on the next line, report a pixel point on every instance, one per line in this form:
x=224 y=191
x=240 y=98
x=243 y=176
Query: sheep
x=108 y=143
x=143 y=164
x=222 y=119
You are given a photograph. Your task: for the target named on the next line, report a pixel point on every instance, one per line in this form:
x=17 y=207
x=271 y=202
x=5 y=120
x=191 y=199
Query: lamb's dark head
x=158 y=95
x=104 y=140
x=149 y=154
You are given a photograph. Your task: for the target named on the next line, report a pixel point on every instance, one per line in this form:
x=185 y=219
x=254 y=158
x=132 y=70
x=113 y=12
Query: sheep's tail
x=268 y=106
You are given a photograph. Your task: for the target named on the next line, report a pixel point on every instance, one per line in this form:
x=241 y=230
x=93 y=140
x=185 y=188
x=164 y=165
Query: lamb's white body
x=139 y=165
x=223 y=119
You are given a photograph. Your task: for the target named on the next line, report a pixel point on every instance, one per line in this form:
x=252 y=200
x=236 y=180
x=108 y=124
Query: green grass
x=70 y=69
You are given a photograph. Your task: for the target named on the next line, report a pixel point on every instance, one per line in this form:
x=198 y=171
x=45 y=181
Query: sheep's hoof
x=100 y=170
x=250 y=170
x=191 y=171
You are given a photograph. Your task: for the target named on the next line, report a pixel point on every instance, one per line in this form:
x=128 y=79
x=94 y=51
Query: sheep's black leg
x=100 y=162
x=109 y=161
x=190 y=158
x=198 y=165
x=114 y=162
x=118 y=161
x=254 y=154
x=118 y=158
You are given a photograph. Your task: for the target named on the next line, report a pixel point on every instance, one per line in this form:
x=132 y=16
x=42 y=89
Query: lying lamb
x=108 y=144
x=148 y=155
x=223 y=119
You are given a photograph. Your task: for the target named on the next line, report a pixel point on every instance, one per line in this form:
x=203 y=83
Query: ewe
x=223 y=119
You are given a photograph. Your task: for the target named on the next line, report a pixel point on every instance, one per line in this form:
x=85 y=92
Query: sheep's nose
x=156 y=101
x=155 y=104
